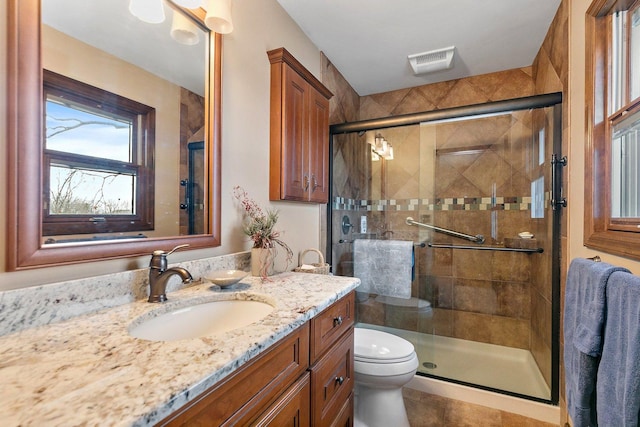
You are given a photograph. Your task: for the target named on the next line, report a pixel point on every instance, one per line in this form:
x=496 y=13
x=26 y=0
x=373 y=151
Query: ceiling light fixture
x=218 y=16
x=150 y=11
x=183 y=30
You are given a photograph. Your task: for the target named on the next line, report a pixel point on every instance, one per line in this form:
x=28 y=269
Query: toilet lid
x=380 y=346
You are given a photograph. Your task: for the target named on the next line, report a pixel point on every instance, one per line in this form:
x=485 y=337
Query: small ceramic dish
x=525 y=235
x=224 y=278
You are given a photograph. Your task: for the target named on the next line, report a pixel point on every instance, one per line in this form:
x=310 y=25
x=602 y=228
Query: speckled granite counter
x=88 y=370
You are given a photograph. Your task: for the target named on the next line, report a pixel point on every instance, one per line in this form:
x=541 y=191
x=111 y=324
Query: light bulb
x=218 y=16
x=150 y=11
x=183 y=30
x=390 y=154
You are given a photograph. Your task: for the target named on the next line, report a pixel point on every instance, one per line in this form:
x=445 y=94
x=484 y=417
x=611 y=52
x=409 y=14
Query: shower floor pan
x=498 y=367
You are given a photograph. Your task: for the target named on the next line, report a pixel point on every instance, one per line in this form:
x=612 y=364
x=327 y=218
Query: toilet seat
x=372 y=346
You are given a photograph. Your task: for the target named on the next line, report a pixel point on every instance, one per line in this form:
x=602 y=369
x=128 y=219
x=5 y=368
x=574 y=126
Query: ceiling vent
x=435 y=60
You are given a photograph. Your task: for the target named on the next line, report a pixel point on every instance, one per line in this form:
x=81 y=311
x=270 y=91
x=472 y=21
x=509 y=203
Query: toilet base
x=376 y=407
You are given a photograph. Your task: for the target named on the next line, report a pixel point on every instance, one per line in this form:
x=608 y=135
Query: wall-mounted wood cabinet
x=299 y=159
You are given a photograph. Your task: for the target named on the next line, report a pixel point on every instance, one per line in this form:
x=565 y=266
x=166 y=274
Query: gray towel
x=618 y=382
x=384 y=267
x=584 y=315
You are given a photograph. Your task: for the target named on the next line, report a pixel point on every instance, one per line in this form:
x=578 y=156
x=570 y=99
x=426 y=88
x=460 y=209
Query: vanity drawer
x=328 y=326
x=293 y=408
x=332 y=381
x=346 y=416
x=250 y=390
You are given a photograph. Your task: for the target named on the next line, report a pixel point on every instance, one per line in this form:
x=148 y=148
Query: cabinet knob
x=339 y=380
x=337 y=321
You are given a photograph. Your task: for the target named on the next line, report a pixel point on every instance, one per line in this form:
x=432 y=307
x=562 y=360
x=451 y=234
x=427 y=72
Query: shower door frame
x=477 y=111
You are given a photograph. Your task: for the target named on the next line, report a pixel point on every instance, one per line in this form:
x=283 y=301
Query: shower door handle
x=556 y=188
x=185 y=183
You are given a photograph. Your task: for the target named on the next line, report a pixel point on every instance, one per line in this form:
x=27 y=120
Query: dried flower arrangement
x=259 y=226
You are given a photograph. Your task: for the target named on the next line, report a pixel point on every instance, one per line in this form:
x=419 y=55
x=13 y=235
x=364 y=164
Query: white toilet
x=383 y=364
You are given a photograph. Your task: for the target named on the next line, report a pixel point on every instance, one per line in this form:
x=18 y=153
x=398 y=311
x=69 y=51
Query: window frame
x=142 y=160
x=601 y=231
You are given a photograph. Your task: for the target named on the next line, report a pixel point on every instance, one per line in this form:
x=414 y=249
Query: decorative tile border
x=502 y=203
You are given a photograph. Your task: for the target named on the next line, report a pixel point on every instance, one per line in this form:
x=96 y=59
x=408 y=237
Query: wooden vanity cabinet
x=250 y=391
x=304 y=380
x=292 y=409
x=299 y=139
x=332 y=375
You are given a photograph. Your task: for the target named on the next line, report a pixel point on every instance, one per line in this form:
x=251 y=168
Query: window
x=98 y=156
x=612 y=191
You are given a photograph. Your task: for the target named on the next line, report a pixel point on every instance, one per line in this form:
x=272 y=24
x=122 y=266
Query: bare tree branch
x=56 y=130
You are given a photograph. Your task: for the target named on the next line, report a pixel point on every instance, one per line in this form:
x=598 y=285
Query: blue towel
x=618 y=381
x=584 y=315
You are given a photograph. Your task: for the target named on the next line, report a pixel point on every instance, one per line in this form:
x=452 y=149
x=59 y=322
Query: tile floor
x=428 y=410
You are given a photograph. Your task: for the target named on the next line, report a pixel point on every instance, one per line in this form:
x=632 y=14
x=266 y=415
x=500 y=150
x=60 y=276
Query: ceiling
x=369 y=40
x=109 y=26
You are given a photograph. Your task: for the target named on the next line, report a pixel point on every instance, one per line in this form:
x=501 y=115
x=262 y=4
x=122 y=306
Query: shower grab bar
x=489 y=248
x=476 y=239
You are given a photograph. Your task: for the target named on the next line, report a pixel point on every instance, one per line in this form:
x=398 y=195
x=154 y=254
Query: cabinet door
x=292 y=409
x=346 y=415
x=294 y=178
x=318 y=148
x=332 y=381
x=240 y=397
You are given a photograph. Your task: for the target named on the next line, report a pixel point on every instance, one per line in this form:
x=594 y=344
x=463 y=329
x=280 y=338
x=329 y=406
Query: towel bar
x=595 y=258
x=421 y=244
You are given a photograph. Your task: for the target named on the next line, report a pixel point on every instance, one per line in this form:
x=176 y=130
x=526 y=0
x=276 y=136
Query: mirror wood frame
x=24 y=160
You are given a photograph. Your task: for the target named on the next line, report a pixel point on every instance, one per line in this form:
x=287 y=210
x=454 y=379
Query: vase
x=262 y=261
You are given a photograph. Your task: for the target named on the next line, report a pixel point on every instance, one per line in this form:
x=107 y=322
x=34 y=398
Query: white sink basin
x=199 y=320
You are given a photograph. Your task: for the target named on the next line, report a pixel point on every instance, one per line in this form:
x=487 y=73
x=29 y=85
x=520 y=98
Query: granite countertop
x=89 y=371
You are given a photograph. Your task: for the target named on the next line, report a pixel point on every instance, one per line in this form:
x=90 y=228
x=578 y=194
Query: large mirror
x=113 y=131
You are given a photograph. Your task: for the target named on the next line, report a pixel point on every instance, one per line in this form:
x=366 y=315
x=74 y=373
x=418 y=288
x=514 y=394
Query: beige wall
x=259 y=26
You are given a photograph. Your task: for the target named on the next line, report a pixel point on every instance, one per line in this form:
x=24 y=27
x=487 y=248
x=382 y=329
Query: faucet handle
x=178 y=247
x=159 y=258
x=161 y=252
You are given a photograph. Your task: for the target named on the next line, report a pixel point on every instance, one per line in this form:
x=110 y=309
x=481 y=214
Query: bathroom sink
x=198 y=320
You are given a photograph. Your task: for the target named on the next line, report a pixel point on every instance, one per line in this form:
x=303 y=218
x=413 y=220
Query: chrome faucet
x=159 y=274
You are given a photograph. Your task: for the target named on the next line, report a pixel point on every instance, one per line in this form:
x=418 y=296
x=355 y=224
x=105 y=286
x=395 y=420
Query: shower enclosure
x=466 y=185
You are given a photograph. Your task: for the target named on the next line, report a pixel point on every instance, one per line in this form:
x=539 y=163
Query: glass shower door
x=484 y=314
